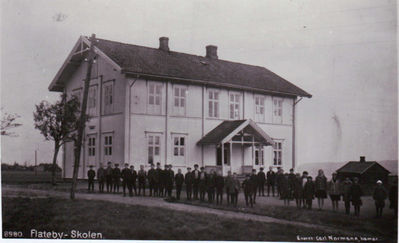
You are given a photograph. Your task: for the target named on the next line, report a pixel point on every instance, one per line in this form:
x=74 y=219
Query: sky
x=343 y=52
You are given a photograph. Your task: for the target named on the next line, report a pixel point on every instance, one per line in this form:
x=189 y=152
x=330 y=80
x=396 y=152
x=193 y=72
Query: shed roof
x=134 y=59
x=357 y=167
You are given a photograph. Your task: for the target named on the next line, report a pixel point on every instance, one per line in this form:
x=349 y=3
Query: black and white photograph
x=199 y=120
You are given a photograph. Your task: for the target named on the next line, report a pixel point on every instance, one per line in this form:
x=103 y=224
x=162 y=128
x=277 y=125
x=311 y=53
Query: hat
x=196 y=165
x=91 y=166
x=379 y=182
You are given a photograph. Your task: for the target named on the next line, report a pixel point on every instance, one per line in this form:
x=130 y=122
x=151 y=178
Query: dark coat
x=188 y=178
x=170 y=176
x=91 y=174
x=321 y=183
x=196 y=180
x=346 y=191
x=355 y=194
x=141 y=174
x=254 y=180
x=133 y=176
x=284 y=188
x=309 y=190
x=219 y=180
x=126 y=174
x=101 y=174
x=116 y=173
x=291 y=180
x=248 y=187
x=179 y=179
x=279 y=178
x=158 y=175
x=109 y=172
x=261 y=177
x=229 y=184
x=393 y=196
x=151 y=174
x=211 y=181
x=271 y=177
x=298 y=188
x=380 y=194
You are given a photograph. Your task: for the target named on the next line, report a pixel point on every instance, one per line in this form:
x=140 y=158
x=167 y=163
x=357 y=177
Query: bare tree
x=8 y=122
x=57 y=122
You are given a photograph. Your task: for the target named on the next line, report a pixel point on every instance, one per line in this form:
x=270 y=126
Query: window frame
x=151 y=145
x=236 y=105
x=108 y=102
x=277 y=151
x=92 y=106
x=108 y=144
x=260 y=117
x=179 y=110
x=213 y=103
x=154 y=108
x=277 y=118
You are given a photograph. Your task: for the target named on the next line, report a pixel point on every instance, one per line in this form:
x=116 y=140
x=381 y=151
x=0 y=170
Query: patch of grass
x=121 y=221
x=25 y=177
x=385 y=227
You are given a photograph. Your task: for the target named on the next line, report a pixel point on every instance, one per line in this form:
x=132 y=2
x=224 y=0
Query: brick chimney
x=212 y=52
x=164 y=43
x=362 y=159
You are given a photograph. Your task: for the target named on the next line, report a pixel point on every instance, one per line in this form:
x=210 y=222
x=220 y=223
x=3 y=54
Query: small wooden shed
x=368 y=172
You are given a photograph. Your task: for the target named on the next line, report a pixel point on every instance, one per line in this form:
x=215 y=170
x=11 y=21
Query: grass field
x=385 y=227
x=27 y=177
x=121 y=221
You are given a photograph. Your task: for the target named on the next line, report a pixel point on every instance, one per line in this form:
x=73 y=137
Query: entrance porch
x=238 y=146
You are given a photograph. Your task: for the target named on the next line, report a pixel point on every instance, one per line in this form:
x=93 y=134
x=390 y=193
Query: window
x=235 y=106
x=154 y=148
x=213 y=98
x=108 y=145
x=259 y=108
x=92 y=101
x=277 y=150
x=226 y=155
x=179 y=104
x=92 y=146
x=259 y=155
x=154 y=98
x=108 y=98
x=277 y=110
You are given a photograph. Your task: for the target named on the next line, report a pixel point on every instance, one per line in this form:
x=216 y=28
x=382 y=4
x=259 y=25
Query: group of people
x=200 y=185
x=303 y=189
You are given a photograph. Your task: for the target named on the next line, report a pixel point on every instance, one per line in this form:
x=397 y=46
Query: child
x=334 y=191
x=90 y=175
x=234 y=197
x=285 y=189
x=346 y=196
x=321 y=189
x=379 y=196
x=248 y=190
x=355 y=194
x=219 y=188
x=298 y=190
x=308 y=192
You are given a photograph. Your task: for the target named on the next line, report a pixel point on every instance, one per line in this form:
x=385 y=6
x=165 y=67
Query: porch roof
x=226 y=130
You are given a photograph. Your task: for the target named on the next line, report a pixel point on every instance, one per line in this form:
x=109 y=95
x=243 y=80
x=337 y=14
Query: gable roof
x=226 y=130
x=358 y=167
x=146 y=61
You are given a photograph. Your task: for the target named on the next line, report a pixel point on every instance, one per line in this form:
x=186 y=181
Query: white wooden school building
x=151 y=105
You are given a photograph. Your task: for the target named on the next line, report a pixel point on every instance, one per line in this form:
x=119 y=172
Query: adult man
x=133 y=179
x=271 y=179
x=254 y=183
x=101 y=178
x=248 y=191
x=188 y=180
x=141 y=178
x=261 y=182
x=202 y=184
x=108 y=177
x=219 y=181
x=152 y=179
x=126 y=175
x=179 y=180
x=170 y=176
x=116 y=175
x=158 y=174
x=163 y=180
x=196 y=180
x=211 y=184
x=90 y=175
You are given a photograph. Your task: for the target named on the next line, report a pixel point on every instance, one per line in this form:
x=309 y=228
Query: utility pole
x=82 y=120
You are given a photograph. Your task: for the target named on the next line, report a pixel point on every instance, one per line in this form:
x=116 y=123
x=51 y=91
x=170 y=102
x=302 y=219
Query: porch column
x=253 y=151
x=222 y=148
x=230 y=153
x=242 y=153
